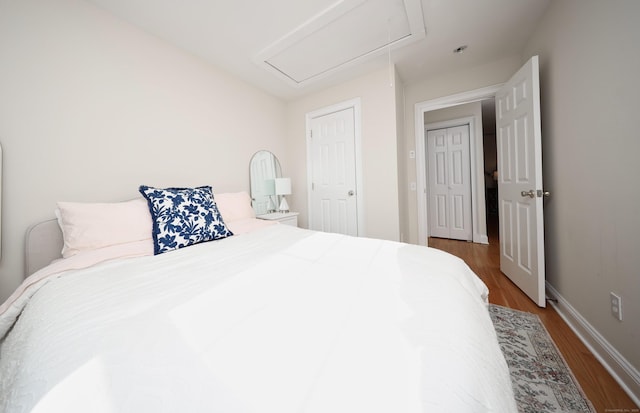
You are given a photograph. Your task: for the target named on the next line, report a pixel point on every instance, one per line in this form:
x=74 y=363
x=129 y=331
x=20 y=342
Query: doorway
x=479 y=226
x=454 y=115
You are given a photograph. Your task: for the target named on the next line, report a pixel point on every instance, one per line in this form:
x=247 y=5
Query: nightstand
x=287 y=218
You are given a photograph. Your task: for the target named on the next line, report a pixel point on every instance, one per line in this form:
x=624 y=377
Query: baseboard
x=622 y=371
x=481 y=239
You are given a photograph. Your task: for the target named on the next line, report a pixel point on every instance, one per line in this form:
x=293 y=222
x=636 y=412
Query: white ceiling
x=236 y=35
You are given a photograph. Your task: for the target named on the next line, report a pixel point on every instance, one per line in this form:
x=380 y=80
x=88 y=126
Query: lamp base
x=270 y=205
x=284 y=206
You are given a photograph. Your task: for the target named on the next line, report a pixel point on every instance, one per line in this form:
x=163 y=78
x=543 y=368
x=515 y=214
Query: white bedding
x=276 y=320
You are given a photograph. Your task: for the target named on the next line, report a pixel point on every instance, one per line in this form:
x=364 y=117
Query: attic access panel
x=342 y=35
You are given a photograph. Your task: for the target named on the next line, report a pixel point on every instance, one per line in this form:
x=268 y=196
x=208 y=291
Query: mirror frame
x=264 y=168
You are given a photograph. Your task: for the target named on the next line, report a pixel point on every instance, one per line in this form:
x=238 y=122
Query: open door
x=520 y=190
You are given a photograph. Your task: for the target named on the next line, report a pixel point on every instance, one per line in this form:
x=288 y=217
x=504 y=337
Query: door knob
x=350 y=193
x=539 y=193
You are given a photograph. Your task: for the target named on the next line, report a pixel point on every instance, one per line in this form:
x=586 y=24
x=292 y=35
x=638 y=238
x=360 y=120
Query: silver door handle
x=539 y=193
x=351 y=193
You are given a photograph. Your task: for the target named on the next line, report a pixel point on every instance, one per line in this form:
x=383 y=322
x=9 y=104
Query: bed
x=270 y=319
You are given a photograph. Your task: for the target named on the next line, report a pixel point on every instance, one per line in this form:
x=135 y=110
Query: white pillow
x=234 y=206
x=89 y=226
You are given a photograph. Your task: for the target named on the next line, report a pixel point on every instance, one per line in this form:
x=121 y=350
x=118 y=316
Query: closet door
x=449 y=183
x=333 y=201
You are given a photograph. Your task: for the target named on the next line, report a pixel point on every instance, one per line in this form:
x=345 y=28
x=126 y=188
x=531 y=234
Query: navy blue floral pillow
x=183 y=217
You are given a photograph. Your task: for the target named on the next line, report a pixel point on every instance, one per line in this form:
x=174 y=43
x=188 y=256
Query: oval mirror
x=264 y=168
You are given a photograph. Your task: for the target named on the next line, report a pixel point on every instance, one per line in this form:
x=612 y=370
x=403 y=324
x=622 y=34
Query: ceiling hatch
x=343 y=34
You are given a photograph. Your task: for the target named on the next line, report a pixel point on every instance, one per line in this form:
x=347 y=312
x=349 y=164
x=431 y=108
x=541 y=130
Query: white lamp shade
x=283 y=186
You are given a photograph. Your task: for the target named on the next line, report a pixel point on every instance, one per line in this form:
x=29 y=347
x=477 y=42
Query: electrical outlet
x=616 y=305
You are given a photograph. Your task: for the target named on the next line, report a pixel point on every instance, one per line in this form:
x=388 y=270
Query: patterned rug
x=542 y=381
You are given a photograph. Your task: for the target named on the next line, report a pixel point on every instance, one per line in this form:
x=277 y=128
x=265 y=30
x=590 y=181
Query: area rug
x=542 y=381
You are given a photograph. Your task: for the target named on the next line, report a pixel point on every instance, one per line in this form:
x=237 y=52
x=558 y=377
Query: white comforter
x=278 y=320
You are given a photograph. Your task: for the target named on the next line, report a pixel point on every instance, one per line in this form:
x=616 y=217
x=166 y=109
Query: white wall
x=589 y=66
x=91 y=107
x=379 y=149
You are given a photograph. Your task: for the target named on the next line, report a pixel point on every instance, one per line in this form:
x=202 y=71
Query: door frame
x=478 y=197
x=470 y=123
x=356 y=104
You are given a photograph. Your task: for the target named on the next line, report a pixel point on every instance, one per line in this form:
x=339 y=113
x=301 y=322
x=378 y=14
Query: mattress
x=279 y=319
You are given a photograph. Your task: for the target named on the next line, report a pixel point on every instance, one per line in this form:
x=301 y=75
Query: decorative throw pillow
x=183 y=217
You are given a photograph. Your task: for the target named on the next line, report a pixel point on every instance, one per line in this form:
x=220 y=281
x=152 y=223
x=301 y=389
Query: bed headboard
x=43 y=244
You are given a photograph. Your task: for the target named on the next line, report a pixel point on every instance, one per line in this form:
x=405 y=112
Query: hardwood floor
x=603 y=391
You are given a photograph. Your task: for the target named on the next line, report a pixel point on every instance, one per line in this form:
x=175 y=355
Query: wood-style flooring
x=603 y=391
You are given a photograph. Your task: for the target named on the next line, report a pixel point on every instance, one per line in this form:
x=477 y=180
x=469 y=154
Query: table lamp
x=283 y=187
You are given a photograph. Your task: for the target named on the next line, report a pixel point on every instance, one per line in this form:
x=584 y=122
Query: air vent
x=342 y=35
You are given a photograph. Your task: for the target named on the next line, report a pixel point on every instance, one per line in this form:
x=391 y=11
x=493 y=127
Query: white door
x=450 y=183
x=520 y=181
x=333 y=198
